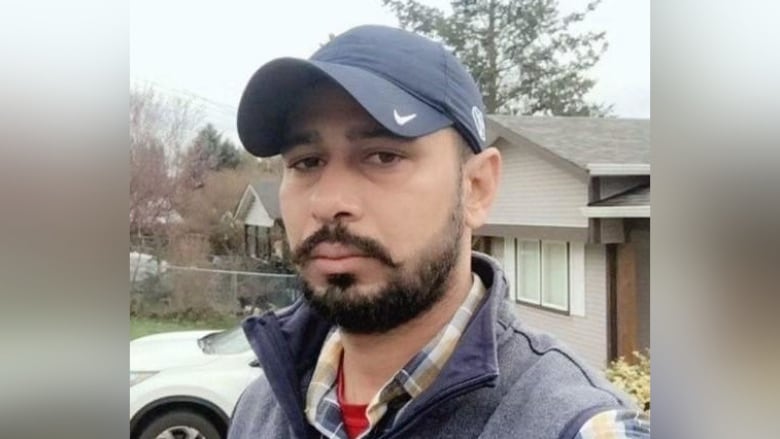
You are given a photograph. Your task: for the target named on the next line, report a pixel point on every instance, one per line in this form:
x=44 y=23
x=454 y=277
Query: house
x=571 y=225
x=259 y=211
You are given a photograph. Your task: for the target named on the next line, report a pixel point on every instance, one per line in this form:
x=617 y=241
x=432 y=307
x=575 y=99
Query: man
x=403 y=332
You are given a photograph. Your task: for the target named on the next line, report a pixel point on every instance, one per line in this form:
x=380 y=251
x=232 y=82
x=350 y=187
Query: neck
x=370 y=361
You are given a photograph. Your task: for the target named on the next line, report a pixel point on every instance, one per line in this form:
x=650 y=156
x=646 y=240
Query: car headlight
x=137 y=377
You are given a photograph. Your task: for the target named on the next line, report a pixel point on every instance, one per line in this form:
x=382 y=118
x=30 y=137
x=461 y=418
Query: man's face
x=375 y=221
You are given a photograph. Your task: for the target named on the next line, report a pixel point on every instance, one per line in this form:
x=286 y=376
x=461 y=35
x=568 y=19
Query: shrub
x=149 y=295
x=633 y=377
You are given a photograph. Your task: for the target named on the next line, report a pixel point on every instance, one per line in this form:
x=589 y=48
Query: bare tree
x=159 y=128
x=151 y=187
x=168 y=120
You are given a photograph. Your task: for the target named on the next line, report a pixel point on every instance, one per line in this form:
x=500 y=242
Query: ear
x=481 y=175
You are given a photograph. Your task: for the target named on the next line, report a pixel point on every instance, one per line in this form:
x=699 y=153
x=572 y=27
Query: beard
x=411 y=288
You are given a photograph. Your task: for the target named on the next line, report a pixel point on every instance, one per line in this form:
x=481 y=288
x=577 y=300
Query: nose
x=335 y=196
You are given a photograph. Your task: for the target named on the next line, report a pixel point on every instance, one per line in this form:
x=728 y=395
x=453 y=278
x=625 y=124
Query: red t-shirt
x=353 y=415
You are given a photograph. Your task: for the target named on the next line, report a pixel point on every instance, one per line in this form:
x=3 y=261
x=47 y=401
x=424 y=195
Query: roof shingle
x=584 y=140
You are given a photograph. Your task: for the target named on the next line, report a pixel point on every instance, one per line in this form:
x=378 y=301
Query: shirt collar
x=412 y=380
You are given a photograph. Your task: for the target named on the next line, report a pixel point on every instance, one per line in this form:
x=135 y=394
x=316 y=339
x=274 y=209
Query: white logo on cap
x=402 y=120
x=479 y=122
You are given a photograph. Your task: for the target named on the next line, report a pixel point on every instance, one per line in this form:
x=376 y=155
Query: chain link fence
x=169 y=289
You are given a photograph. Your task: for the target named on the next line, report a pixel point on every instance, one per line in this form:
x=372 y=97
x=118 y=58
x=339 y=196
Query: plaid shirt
x=323 y=412
x=616 y=424
x=322 y=409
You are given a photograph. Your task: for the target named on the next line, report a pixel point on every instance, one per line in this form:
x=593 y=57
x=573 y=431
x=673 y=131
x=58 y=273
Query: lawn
x=140 y=326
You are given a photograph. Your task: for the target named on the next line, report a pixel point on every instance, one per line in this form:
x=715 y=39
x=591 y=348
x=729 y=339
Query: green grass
x=140 y=326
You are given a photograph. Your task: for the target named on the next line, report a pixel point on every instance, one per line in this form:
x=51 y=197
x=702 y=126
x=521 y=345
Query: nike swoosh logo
x=402 y=120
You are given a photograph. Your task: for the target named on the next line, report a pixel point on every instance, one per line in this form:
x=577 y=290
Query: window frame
x=517 y=284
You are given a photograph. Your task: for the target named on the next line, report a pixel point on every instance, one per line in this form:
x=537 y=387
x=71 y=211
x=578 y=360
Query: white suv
x=186 y=384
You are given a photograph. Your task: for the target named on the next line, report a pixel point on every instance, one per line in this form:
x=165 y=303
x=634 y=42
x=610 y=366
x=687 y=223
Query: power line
x=226 y=109
x=214 y=110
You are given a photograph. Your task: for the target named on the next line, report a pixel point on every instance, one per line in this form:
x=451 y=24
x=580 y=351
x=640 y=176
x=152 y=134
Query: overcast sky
x=207 y=50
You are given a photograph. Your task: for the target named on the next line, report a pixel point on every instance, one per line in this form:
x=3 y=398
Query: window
x=555 y=275
x=542 y=273
x=251 y=242
x=254 y=243
x=529 y=281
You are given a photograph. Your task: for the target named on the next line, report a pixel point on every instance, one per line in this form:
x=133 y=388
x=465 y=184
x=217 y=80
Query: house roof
x=582 y=141
x=268 y=193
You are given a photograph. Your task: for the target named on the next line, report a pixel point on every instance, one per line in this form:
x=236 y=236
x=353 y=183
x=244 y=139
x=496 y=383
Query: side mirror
x=254 y=363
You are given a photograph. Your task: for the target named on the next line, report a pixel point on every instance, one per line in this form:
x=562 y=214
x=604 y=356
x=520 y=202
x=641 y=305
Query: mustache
x=339 y=234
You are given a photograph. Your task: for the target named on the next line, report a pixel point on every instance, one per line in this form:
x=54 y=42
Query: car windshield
x=229 y=341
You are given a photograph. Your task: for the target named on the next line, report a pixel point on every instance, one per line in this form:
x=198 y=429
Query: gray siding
x=534 y=191
x=587 y=335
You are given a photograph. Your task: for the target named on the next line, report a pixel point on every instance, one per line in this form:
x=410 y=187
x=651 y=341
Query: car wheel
x=180 y=424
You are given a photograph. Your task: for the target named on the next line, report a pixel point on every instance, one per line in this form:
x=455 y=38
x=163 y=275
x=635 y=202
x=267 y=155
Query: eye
x=306 y=163
x=383 y=158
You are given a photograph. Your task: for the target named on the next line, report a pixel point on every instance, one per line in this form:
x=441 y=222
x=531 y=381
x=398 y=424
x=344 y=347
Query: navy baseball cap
x=410 y=84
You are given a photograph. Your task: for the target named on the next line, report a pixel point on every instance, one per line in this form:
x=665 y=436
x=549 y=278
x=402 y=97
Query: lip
x=335 y=251
x=330 y=258
x=348 y=264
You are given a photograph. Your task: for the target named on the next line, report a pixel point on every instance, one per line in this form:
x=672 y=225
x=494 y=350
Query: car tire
x=180 y=424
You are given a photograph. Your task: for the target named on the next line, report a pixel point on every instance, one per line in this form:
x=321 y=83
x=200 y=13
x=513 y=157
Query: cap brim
x=276 y=86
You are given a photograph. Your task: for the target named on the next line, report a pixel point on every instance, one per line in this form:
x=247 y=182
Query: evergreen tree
x=208 y=153
x=523 y=53
x=216 y=152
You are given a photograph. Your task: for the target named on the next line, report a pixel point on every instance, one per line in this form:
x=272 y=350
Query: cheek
x=412 y=221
